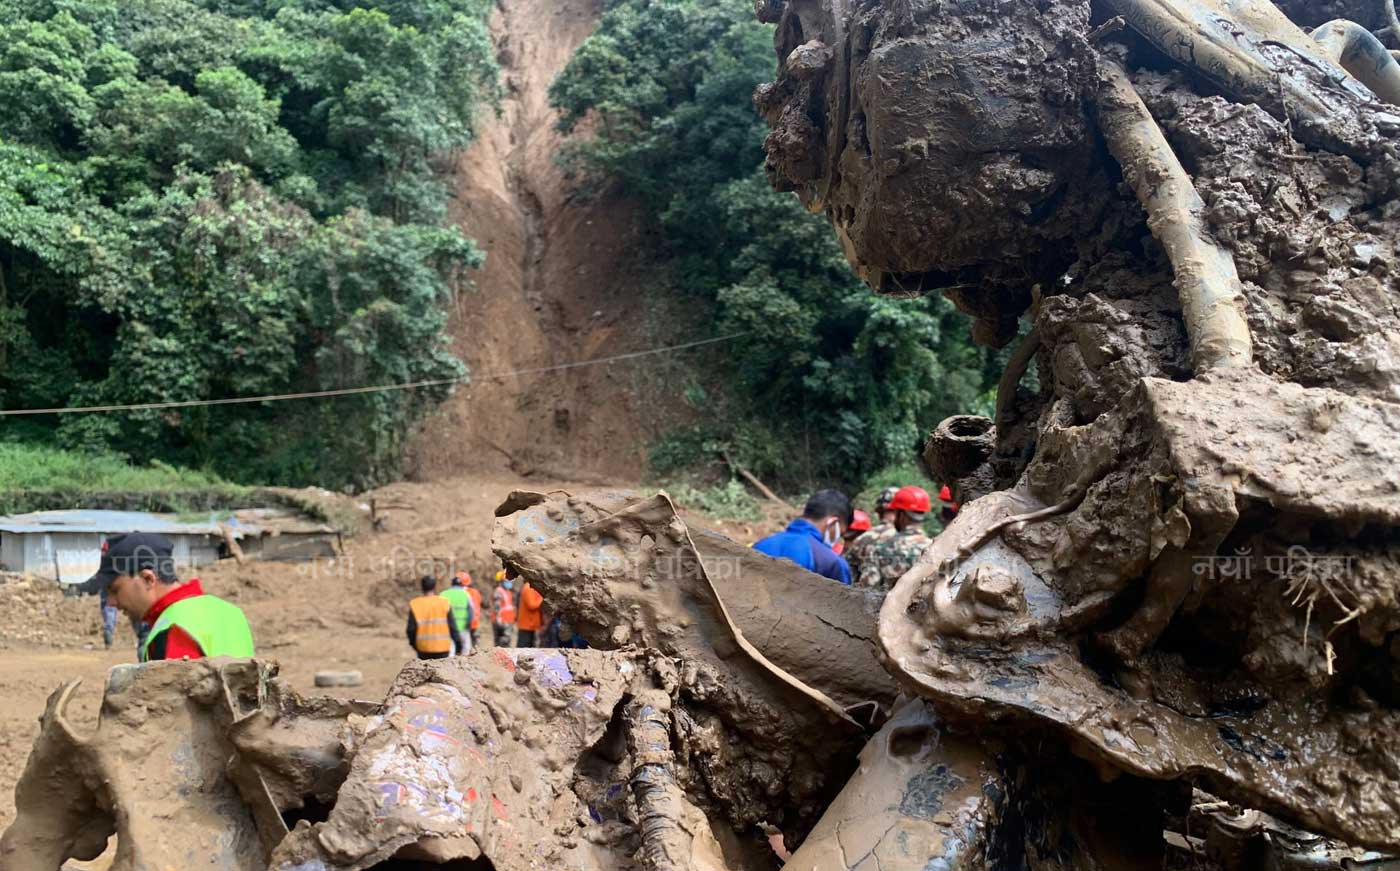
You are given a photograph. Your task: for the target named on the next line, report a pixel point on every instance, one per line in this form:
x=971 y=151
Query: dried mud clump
x=945 y=141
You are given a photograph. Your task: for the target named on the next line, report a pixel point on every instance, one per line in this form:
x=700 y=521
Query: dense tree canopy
x=852 y=377
x=207 y=199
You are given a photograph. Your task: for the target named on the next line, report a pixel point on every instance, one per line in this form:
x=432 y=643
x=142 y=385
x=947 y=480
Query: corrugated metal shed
x=69 y=543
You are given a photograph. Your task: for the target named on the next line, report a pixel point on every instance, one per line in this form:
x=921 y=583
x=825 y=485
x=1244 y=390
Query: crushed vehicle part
x=921 y=799
x=984 y=631
x=774 y=604
x=627 y=571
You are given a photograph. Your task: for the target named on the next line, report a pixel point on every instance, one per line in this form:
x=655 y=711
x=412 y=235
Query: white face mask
x=832 y=534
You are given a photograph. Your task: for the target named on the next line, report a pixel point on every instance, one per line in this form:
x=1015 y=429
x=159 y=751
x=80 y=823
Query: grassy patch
x=38 y=478
x=729 y=501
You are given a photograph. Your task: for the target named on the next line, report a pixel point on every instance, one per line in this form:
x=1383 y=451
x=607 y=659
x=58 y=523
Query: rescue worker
x=893 y=554
x=109 y=618
x=462 y=611
x=503 y=609
x=529 y=619
x=949 y=506
x=808 y=540
x=137 y=575
x=474 y=628
x=858 y=551
x=860 y=523
x=882 y=506
x=431 y=630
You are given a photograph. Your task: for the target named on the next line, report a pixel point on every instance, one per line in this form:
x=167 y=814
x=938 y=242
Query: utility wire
x=351 y=391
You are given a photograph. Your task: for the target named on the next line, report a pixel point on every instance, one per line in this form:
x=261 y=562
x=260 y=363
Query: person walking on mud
x=808 y=540
x=463 y=612
x=137 y=575
x=431 y=630
x=503 y=610
x=894 y=553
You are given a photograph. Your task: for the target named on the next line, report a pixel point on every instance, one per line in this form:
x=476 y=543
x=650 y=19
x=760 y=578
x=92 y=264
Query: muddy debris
x=1186 y=562
x=1163 y=632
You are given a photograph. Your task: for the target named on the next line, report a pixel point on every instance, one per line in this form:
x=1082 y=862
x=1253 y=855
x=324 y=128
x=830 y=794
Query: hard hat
x=914 y=500
x=465 y=578
x=886 y=496
x=860 y=521
x=946 y=495
x=500 y=575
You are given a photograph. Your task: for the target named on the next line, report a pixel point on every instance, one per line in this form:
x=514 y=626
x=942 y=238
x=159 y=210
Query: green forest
x=205 y=199
x=219 y=199
x=825 y=368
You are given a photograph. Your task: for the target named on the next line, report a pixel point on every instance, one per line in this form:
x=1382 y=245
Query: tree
x=203 y=200
x=821 y=361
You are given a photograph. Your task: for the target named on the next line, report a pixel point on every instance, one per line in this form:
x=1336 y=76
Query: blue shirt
x=802 y=543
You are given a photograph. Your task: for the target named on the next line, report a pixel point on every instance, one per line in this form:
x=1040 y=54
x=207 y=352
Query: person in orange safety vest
x=431 y=629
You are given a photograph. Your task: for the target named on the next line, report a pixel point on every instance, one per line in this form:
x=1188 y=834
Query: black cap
x=129 y=554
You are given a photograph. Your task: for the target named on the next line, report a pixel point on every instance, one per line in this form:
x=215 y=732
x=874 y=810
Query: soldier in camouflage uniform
x=859 y=550
x=894 y=552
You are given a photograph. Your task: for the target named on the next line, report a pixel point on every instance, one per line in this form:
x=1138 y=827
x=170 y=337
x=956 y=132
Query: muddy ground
x=337 y=614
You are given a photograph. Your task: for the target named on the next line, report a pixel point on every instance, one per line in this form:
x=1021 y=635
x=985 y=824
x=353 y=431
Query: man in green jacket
x=138 y=573
x=462 y=615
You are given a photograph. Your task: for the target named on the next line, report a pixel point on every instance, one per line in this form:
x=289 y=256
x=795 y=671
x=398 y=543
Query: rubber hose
x=1357 y=51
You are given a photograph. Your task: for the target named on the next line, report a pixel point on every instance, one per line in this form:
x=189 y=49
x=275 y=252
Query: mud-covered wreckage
x=1163 y=632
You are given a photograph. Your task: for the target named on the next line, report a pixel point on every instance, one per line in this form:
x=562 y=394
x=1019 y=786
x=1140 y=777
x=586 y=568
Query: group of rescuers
x=447 y=623
x=176 y=619
x=834 y=539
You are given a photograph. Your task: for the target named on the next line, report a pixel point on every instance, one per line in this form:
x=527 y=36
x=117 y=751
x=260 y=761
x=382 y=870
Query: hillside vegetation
x=828 y=381
x=210 y=199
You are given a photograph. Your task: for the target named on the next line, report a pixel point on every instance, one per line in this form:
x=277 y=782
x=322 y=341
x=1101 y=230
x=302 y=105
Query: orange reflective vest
x=476 y=606
x=505 y=607
x=531 y=620
x=430 y=614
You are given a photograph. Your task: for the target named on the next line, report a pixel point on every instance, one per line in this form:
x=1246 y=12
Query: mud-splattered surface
x=634 y=575
x=1194 y=575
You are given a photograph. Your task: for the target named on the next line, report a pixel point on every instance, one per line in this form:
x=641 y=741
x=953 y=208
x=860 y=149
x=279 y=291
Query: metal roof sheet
x=253 y=521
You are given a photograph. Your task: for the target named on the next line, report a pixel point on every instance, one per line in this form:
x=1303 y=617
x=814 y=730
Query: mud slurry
x=1192 y=575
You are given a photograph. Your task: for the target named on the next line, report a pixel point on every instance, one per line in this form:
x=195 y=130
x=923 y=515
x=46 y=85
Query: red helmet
x=912 y=499
x=946 y=495
x=860 y=522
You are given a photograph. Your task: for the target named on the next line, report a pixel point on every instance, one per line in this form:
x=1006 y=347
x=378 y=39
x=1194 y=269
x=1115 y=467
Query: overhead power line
x=380 y=388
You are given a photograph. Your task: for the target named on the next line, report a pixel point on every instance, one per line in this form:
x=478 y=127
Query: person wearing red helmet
x=860 y=524
x=858 y=551
x=949 y=505
x=895 y=553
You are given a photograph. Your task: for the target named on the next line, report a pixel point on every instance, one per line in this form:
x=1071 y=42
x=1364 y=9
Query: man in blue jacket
x=807 y=540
